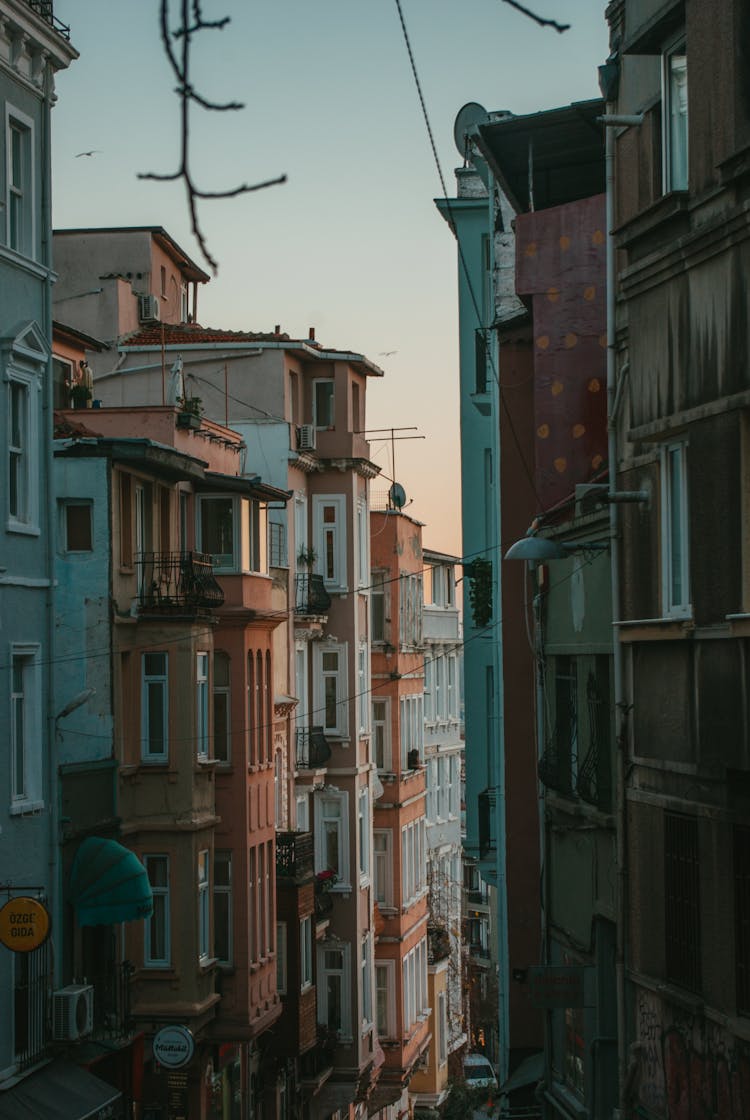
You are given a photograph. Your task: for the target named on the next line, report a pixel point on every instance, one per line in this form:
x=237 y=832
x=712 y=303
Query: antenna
x=396 y=494
x=468 y=119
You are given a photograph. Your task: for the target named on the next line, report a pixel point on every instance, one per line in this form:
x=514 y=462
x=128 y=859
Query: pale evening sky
x=352 y=244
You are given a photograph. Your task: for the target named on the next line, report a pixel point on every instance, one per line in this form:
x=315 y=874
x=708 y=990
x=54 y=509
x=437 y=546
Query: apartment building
x=400 y=879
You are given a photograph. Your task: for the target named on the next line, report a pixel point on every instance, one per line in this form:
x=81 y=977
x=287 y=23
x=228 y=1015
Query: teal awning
x=108 y=884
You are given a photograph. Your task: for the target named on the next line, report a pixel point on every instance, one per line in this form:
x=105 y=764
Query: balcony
x=313 y=750
x=294 y=855
x=177 y=582
x=311 y=597
x=43 y=8
x=112 y=1000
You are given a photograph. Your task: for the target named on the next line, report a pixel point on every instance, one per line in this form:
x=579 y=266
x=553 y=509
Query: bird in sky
x=93 y=152
x=387 y=353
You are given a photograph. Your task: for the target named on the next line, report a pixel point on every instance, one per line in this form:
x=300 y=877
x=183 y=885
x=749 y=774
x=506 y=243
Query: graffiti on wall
x=688 y=1067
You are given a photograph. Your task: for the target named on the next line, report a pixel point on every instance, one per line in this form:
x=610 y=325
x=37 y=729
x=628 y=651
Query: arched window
x=222 y=708
x=251 y=720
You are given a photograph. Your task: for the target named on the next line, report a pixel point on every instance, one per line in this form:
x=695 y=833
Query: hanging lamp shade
x=109 y=884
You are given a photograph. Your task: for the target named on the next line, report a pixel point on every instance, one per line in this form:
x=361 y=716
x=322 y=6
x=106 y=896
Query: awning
x=109 y=884
x=529 y=1072
x=61 y=1091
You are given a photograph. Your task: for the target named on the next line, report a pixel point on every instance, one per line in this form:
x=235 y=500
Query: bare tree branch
x=179 y=62
x=560 y=27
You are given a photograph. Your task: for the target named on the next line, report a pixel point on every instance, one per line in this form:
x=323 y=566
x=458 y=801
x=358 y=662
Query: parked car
x=478 y=1072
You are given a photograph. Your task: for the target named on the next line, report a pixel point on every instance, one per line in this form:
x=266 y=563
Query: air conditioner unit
x=148 y=309
x=306 y=437
x=72 y=1012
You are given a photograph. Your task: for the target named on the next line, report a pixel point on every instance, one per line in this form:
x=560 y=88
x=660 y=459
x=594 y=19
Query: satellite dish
x=397 y=496
x=469 y=118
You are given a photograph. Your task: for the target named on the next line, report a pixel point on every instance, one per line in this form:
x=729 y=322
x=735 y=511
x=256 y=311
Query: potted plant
x=306 y=557
x=190 y=412
x=80 y=395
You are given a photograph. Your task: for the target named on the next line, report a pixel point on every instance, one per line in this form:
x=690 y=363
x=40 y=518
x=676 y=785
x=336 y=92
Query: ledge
x=655 y=629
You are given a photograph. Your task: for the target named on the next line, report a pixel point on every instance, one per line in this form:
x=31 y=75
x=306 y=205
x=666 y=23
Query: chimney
x=311 y=334
x=277 y=329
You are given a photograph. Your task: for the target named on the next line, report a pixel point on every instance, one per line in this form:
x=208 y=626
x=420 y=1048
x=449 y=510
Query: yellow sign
x=24 y=924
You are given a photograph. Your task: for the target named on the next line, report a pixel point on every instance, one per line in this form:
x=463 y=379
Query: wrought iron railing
x=294 y=854
x=594 y=782
x=313 y=749
x=311 y=596
x=486 y=801
x=112 y=1000
x=31 y=993
x=44 y=8
x=184 y=580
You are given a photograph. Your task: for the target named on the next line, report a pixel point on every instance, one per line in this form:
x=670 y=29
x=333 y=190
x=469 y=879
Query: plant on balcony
x=190 y=412
x=306 y=557
x=325 y=880
x=480 y=590
x=80 y=394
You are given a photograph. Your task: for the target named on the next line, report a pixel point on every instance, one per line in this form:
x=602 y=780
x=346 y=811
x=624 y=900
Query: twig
x=180 y=65
x=560 y=27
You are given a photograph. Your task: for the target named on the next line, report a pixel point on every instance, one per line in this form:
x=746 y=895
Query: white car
x=478 y=1073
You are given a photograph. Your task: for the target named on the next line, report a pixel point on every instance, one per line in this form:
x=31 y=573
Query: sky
x=351 y=244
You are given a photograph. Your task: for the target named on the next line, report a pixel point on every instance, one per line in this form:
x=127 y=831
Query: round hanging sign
x=173 y=1047
x=24 y=924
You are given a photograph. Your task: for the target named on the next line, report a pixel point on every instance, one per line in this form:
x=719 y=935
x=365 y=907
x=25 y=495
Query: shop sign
x=24 y=924
x=557 y=986
x=173 y=1047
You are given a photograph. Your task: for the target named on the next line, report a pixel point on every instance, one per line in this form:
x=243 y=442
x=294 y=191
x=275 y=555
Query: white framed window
x=363 y=688
x=281 y=968
x=441 y=697
x=366 y=979
x=363 y=820
x=411 y=710
x=442 y=788
x=329 y=522
x=413 y=861
x=234 y=532
x=323 y=403
x=329 y=674
x=332 y=836
x=154 y=707
x=429 y=686
x=381 y=734
x=675 y=551
x=452 y=698
x=23 y=498
x=363 y=558
x=442 y=1029
x=25 y=729
x=378 y=606
x=382 y=840
x=675 y=117
x=204 y=906
x=385 y=998
x=222 y=708
x=20 y=177
x=453 y=791
x=302 y=805
x=431 y=790
x=223 y=907
x=410 y=608
x=157 y=932
x=415 y=984
x=305 y=952
x=201 y=704
x=334 y=988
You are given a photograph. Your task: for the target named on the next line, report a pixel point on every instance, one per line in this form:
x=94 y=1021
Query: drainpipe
x=611 y=122
x=53 y=793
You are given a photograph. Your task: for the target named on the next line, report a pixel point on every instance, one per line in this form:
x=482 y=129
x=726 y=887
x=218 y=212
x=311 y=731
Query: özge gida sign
x=24 y=924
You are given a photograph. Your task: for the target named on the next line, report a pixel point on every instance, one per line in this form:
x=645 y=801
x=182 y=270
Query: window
x=217 y=530
x=574 y=1050
x=331 y=839
x=413 y=861
x=382 y=839
x=566 y=722
x=25 y=729
x=234 y=532
x=253 y=905
x=674 y=531
x=154 y=707
x=364 y=831
x=333 y=988
x=156 y=947
x=385 y=998
x=675 y=117
x=381 y=734
x=452 y=706
x=682 y=901
x=363 y=563
x=377 y=607
x=126 y=520
x=252 y=720
x=305 y=951
x=75 y=526
x=201 y=696
x=204 y=906
x=331 y=706
x=223 y=907
x=20 y=203
x=62 y=378
x=302 y=802
x=323 y=403
x=281 y=942
x=19 y=466
x=453 y=780
x=429 y=686
x=415 y=984
x=431 y=790
x=412 y=730
x=366 y=973
x=410 y=609
x=356 y=414
x=329 y=520
x=222 y=708
x=442 y=1029
x=363 y=689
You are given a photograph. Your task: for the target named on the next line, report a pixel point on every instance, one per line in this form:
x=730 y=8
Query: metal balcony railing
x=311 y=596
x=312 y=748
x=44 y=8
x=294 y=854
x=112 y=1000
x=30 y=1014
x=177 y=580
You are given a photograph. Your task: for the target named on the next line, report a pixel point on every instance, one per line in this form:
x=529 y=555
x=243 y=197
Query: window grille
x=682 y=901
